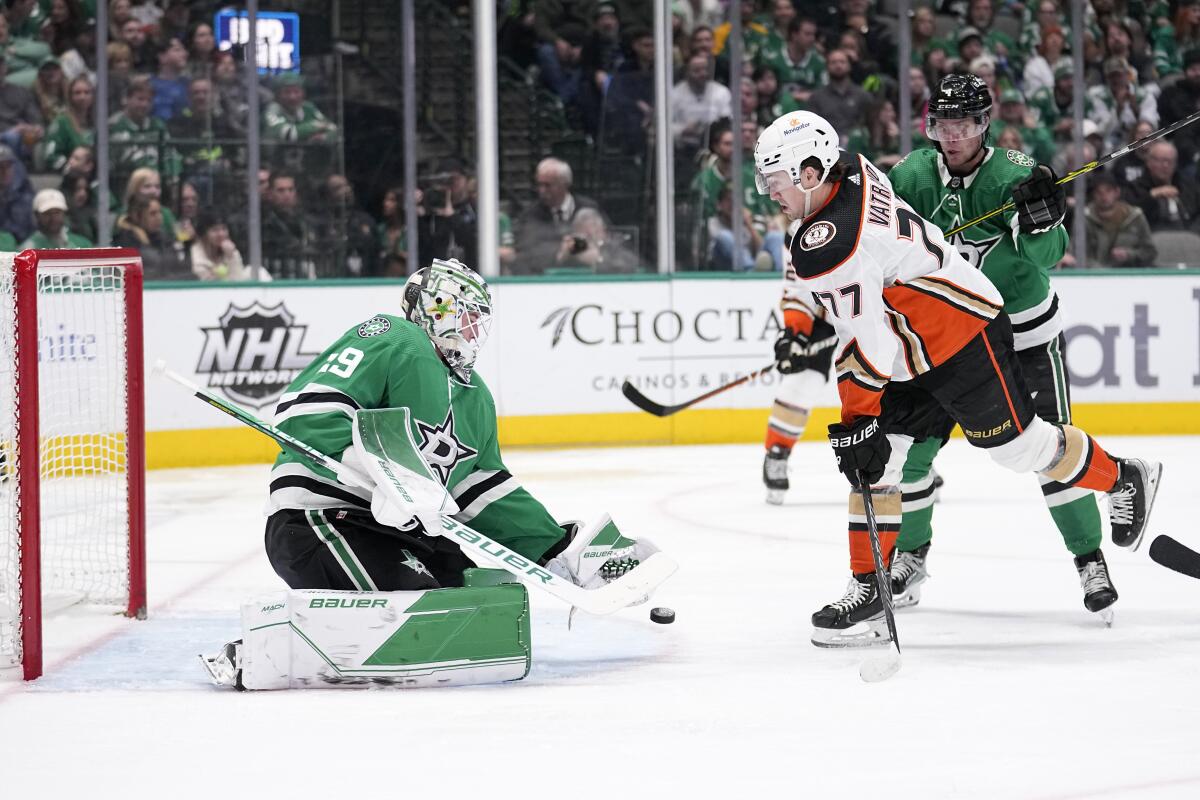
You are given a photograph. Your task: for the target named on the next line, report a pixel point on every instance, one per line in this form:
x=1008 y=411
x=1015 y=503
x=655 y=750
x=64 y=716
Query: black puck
x=662 y=615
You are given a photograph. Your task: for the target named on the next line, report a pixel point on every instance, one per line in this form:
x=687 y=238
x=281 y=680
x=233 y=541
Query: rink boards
x=560 y=349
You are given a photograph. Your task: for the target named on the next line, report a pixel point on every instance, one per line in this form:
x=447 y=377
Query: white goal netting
x=82 y=410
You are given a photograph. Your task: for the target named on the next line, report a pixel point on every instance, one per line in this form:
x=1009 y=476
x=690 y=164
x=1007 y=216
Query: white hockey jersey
x=901 y=299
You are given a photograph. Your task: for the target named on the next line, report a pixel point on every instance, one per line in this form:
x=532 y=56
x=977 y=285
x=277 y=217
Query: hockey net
x=72 y=460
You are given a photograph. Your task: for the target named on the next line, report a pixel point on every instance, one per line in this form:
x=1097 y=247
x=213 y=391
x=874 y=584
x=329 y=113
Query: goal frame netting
x=27 y=457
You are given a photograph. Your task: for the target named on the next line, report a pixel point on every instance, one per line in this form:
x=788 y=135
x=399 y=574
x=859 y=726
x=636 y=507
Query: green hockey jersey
x=1017 y=263
x=387 y=362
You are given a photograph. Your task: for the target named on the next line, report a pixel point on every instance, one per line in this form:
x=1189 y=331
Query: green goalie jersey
x=1017 y=263
x=387 y=362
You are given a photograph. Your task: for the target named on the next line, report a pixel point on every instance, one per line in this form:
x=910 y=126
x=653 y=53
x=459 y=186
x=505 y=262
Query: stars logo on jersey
x=819 y=234
x=1020 y=159
x=974 y=252
x=441 y=448
x=373 y=327
x=414 y=563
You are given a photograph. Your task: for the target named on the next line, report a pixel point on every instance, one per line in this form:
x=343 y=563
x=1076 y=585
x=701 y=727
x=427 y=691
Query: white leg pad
x=801 y=389
x=327 y=640
x=1032 y=451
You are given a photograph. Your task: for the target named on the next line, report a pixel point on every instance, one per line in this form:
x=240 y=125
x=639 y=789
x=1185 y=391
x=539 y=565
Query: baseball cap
x=49 y=200
x=1090 y=128
x=968 y=33
x=605 y=8
x=1012 y=96
x=288 y=79
x=1065 y=68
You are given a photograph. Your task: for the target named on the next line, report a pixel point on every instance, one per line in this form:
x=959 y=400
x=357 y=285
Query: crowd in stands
x=178 y=111
x=839 y=58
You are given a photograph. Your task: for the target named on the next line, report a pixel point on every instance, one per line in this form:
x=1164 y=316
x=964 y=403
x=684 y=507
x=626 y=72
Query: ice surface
x=1009 y=689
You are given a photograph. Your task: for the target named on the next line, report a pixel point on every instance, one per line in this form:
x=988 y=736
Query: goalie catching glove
x=598 y=554
x=1041 y=203
x=796 y=351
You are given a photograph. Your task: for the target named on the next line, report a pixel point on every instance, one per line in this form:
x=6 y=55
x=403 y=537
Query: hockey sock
x=1082 y=462
x=785 y=425
x=1075 y=514
x=916 y=487
x=887 y=519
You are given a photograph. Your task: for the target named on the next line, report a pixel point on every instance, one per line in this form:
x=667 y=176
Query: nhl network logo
x=254 y=353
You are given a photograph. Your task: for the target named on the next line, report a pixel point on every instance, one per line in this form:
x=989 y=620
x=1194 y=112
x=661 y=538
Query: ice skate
x=1099 y=594
x=225 y=668
x=775 y=474
x=1131 y=499
x=854 y=621
x=908 y=573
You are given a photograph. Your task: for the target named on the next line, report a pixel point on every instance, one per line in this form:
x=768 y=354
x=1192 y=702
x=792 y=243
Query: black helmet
x=959 y=97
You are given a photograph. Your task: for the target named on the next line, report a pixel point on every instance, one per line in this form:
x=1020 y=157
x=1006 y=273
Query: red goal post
x=72 y=440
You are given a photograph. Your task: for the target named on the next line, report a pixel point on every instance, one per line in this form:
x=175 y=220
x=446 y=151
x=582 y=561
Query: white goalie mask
x=786 y=144
x=452 y=303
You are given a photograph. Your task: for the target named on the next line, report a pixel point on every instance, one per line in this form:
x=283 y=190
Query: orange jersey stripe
x=797 y=321
x=944 y=328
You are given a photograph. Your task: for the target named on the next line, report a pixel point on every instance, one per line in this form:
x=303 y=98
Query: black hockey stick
x=1090 y=166
x=1173 y=555
x=879 y=669
x=646 y=404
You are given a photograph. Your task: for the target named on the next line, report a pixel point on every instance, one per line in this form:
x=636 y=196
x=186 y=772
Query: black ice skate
x=1098 y=591
x=225 y=668
x=908 y=573
x=854 y=621
x=1130 y=500
x=775 y=474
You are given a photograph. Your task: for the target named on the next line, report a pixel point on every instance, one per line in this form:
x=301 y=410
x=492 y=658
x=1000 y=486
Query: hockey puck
x=662 y=615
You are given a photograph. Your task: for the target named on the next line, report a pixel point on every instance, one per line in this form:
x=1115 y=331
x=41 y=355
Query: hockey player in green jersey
x=960 y=179
x=323 y=533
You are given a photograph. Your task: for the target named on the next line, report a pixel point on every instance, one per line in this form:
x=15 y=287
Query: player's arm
x=1040 y=205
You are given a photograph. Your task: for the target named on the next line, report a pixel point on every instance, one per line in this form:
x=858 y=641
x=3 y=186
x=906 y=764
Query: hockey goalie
x=374 y=598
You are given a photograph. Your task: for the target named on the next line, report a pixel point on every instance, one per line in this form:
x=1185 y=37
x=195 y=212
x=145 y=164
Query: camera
x=578 y=244
x=435 y=197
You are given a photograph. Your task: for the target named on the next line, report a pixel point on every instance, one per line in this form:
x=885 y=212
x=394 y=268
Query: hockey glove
x=598 y=554
x=796 y=351
x=861 y=447
x=1041 y=203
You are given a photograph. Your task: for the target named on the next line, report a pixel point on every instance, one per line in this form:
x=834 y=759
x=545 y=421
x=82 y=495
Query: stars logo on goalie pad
x=414 y=563
x=441 y=448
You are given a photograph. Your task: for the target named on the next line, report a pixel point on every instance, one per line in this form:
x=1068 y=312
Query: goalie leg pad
x=440 y=637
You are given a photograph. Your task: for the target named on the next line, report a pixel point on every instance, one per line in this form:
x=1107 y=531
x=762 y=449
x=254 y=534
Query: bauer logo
x=254 y=353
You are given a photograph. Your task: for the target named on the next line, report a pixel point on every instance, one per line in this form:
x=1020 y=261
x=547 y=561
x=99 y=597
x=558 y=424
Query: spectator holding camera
x=589 y=245
x=542 y=226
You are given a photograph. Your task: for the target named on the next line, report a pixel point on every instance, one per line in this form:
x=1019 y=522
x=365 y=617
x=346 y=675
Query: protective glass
x=955 y=130
x=772 y=182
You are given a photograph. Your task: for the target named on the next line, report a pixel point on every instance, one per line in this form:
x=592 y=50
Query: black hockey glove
x=796 y=352
x=861 y=447
x=1041 y=202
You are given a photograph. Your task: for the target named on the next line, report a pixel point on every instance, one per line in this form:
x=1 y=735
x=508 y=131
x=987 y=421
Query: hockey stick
x=646 y=404
x=1090 y=166
x=1173 y=555
x=626 y=590
x=881 y=668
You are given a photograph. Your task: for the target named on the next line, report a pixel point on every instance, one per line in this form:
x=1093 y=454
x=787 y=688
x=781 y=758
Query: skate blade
x=880 y=668
x=1154 y=481
x=1106 y=616
x=869 y=633
x=775 y=496
x=909 y=597
x=217 y=669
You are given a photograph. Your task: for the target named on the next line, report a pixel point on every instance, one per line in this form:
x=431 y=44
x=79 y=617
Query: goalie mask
x=453 y=305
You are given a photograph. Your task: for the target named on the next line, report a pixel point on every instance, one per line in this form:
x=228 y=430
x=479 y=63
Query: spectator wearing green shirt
x=981 y=15
x=782 y=14
x=23 y=56
x=798 y=66
x=1052 y=107
x=924 y=35
x=138 y=139
x=25 y=18
x=754 y=33
x=50 y=213
x=73 y=127
x=292 y=118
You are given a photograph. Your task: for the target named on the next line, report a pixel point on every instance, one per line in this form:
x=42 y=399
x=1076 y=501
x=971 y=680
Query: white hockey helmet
x=453 y=305
x=790 y=141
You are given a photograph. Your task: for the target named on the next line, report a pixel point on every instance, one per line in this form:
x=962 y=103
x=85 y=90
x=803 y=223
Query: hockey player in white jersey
x=918 y=328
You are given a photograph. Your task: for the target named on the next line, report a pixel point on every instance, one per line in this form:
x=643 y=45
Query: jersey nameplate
x=819 y=234
x=374 y=326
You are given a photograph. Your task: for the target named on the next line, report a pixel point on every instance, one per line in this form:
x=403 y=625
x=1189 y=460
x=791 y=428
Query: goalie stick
x=1171 y=554
x=646 y=404
x=625 y=591
x=879 y=668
